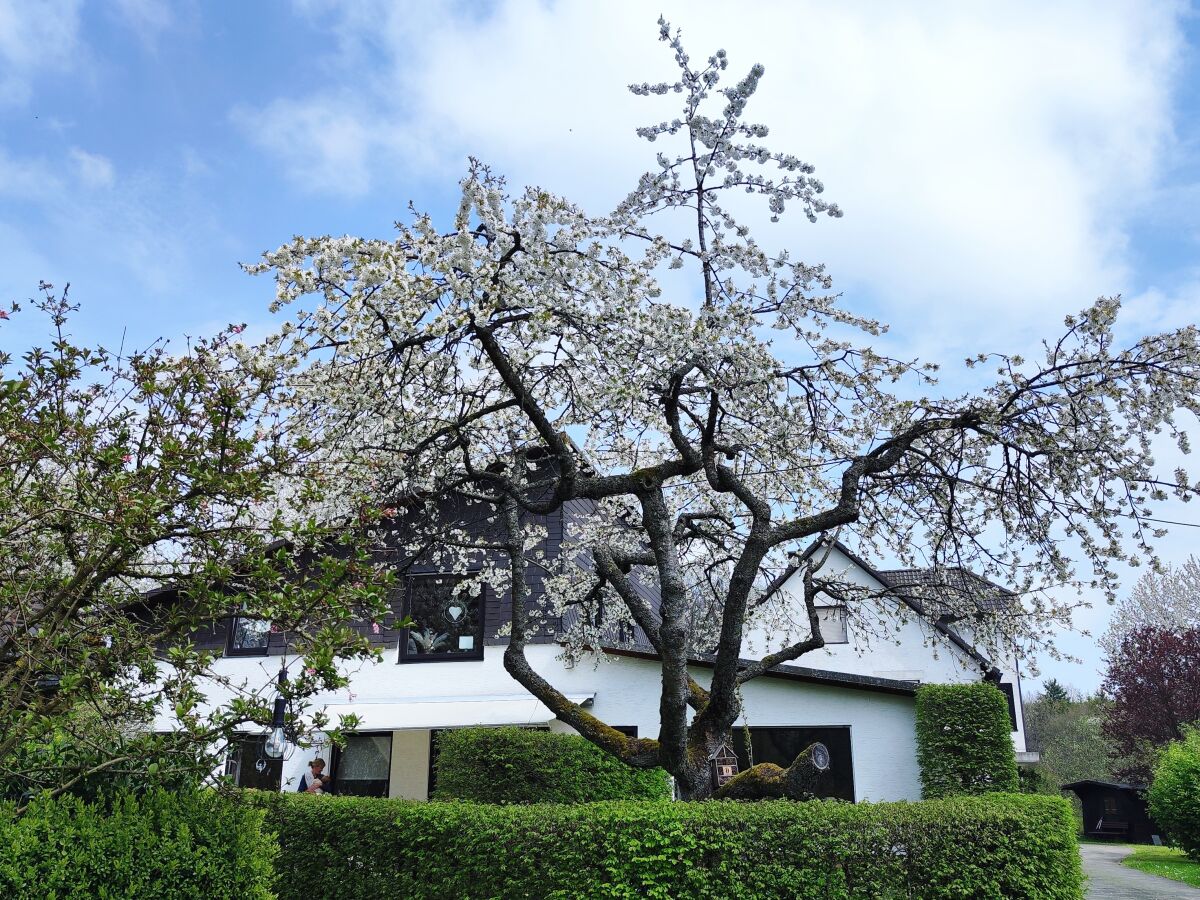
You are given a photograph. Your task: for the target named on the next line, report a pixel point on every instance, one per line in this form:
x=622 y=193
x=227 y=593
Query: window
x=447 y=619
x=363 y=768
x=248 y=637
x=833 y=623
x=250 y=767
x=1007 y=689
x=781 y=746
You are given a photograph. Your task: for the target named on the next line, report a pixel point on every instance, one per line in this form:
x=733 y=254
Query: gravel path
x=1107 y=879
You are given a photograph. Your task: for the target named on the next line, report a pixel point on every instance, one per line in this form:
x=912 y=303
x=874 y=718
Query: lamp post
x=276 y=743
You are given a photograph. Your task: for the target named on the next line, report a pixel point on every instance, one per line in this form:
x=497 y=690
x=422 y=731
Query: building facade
x=855 y=695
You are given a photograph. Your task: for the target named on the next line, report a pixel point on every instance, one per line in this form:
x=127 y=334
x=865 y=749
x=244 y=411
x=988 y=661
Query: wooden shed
x=1114 y=811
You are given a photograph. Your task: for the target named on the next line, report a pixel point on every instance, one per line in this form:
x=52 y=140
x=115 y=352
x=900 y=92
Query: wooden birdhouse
x=724 y=765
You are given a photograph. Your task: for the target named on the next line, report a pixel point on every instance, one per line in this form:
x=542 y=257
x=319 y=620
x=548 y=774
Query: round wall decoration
x=820 y=757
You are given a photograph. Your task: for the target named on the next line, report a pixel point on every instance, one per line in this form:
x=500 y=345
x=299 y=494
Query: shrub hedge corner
x=964 y=740
x=157 y=846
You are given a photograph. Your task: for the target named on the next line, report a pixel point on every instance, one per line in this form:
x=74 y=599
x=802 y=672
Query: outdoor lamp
x=276 y=742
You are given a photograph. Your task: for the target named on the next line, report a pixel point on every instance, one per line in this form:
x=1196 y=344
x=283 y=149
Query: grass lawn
x=1165 y=861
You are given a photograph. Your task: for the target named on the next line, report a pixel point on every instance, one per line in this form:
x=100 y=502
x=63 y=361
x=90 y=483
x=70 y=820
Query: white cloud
x=93 y=170
x=34 y=37
x=27 y=179
x=990 y=158
x=194 y=164
x=1159 y=308
x=71 y=201
x=324 y=142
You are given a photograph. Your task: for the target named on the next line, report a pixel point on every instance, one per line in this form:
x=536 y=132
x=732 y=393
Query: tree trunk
x=695 y=783
x=767 y=780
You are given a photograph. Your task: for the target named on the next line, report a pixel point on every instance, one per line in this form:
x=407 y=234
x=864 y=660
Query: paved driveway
x=1107 y=879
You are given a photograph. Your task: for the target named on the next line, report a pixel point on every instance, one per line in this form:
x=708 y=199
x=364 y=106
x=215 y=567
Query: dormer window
x=832 y=620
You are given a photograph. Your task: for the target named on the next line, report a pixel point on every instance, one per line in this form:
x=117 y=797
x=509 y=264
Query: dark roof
x=796 y=673
x=934 y=584
x=1089 y=782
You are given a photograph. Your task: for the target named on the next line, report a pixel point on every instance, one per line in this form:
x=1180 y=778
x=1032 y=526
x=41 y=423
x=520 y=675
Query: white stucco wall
x=627 y=693
x=882 y=730
x=914 y=652
x=410 y=765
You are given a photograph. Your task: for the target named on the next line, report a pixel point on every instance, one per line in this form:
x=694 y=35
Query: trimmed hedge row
x=158 y=845
x=517 y=765
x=998 y=847
x=964 y=740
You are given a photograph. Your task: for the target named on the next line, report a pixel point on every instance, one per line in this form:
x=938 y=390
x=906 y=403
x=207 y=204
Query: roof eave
x=796 y=673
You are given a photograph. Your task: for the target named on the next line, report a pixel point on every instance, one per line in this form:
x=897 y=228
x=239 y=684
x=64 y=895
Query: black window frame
x=231 y=650
x=242 y=754
x=475 y=654
x=837 y=738
x=340 y=785
x=1009 y=692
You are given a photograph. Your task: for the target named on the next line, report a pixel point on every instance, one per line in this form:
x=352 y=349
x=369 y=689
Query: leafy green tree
x=1174 y=793
x=1055 y=693
x=120 y=472
x=1068 y=734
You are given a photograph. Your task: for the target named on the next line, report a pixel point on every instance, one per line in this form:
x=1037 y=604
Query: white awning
x=448 y=712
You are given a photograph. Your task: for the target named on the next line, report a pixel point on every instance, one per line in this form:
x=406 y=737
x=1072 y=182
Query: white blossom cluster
x=1168 y=599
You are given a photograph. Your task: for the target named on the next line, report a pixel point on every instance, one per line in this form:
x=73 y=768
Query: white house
x=447 y=673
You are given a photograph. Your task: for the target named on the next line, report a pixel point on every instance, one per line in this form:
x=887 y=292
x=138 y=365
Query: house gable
x=916 y=649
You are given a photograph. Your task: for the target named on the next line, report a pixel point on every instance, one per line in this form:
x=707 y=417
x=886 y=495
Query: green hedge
x=964 y=740
x=518 y=765
x=1174 y=795
x=999 y=847
x=157 y=845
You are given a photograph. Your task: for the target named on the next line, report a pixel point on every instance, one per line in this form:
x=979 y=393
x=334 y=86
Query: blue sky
x=1000 y=164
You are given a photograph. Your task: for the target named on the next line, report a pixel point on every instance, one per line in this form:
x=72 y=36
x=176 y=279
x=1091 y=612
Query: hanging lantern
x=276 y=743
